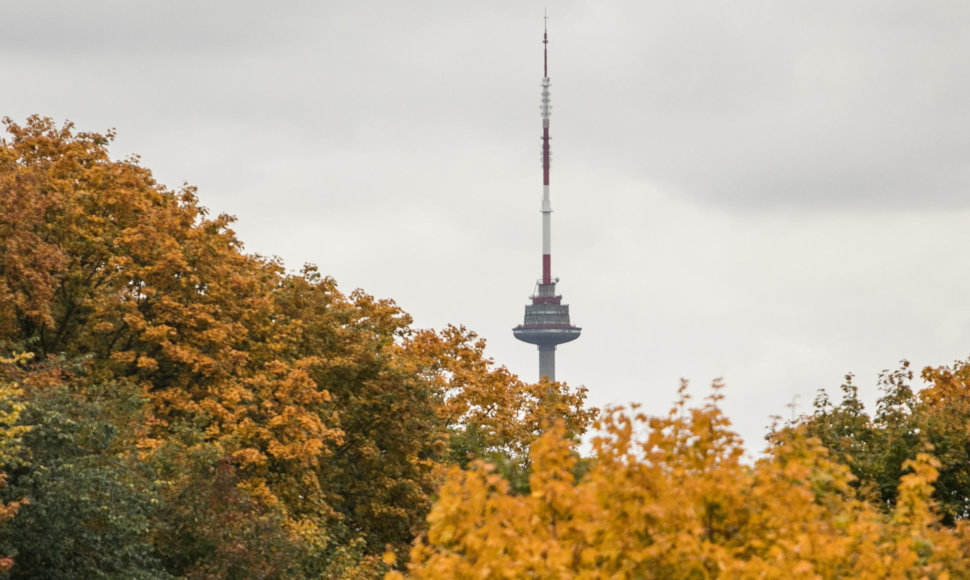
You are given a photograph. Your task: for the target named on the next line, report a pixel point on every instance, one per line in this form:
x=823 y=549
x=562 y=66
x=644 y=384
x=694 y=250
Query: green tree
x=207 y=526
x=90 y=501
x=906 y=422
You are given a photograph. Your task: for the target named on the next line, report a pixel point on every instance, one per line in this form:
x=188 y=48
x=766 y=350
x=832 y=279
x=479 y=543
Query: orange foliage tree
x=326 y=413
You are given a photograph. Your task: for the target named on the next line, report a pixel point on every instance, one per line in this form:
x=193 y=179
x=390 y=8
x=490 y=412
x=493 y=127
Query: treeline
x=173 y=407
x=838 y=494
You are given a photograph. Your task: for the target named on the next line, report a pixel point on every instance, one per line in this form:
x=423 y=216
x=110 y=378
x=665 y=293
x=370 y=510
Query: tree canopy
x=671 y=497
x=232 y=418
x=174 y=407
x=906 y=422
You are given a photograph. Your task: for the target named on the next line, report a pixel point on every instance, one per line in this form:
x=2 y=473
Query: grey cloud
x=775 y=105
x=733 y=181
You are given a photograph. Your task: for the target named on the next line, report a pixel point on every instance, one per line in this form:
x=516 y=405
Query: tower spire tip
x=545 y=43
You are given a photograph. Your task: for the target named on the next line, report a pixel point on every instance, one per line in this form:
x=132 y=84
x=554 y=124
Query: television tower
x=547 y=318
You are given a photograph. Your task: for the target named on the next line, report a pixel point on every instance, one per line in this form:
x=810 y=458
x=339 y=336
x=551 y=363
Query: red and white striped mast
x=546 y=321
x=545 y=108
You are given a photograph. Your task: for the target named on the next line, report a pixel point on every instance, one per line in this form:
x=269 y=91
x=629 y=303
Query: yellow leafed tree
x=671 y=497
x=10 y=434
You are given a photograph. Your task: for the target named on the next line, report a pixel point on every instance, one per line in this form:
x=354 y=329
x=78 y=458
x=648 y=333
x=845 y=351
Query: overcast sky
x=777 y=193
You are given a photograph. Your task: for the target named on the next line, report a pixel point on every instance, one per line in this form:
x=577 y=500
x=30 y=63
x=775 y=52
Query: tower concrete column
x=547 y=361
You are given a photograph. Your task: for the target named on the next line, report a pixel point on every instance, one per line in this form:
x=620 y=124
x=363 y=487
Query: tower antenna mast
x=546 y=321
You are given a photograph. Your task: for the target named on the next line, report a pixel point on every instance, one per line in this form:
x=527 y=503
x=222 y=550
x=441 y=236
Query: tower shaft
x=547 y=361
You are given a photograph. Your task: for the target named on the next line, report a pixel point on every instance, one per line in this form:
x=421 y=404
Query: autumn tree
x=104 y=264
x=671 y=497
x=488 y=412
x=283 y=419
x=11 y=444
x=407 y=401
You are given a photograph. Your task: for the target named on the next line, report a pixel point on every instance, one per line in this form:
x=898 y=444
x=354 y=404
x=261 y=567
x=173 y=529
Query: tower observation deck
x=546 y=321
